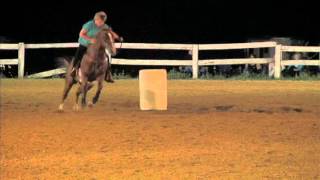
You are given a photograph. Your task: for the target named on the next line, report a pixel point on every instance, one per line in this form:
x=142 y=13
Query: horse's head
x=106 y=41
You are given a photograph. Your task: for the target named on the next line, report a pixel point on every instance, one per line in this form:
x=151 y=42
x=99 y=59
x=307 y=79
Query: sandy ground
x=212 y=130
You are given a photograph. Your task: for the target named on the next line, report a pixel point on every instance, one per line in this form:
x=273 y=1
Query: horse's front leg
x=84 y=91
x=76 y=106
x=100 y=86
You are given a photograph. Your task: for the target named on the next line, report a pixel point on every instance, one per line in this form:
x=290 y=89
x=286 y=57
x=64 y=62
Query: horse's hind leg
x=68 y=85
x=82 y=90
x=89 y=86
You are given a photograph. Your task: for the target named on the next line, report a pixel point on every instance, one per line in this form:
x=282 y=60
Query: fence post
x=195 y=59
x=277 y=62
x=271 y=64
x=21 y=53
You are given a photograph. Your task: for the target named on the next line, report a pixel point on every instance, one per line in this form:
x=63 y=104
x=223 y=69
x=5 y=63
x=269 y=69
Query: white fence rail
x=195 y=62
x=19 y=61
x=315 y=49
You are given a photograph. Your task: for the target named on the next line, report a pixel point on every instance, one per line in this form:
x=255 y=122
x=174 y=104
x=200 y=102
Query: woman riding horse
x=93 y=68
x=87 y=36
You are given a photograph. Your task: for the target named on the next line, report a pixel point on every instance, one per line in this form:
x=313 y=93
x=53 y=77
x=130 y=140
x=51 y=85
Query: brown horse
x=94 y=66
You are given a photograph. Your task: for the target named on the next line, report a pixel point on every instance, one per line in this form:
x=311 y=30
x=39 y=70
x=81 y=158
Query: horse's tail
x=65 y=62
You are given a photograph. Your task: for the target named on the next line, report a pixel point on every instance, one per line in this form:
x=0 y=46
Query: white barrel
x=153 y=89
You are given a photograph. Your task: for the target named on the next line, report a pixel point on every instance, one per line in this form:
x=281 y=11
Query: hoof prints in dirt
x=203 y=109
x=223 y=108
x=290 y=109
x=258 y=110
x=232 y=108
x=216 y=108
x=262 y=111
x=281 y=110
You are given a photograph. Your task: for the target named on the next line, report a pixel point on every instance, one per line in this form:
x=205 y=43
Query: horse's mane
x=103 y=34
x=105 y=38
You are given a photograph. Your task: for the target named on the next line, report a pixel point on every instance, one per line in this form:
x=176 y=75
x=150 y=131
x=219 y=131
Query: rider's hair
x=101 y=15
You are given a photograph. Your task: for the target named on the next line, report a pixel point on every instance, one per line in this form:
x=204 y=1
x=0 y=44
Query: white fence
x=275 y=59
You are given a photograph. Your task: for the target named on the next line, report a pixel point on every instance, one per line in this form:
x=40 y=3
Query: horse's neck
x=97 y=52
x=101 y=54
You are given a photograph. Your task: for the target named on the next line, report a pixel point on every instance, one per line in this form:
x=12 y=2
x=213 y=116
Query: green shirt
x=92 y=31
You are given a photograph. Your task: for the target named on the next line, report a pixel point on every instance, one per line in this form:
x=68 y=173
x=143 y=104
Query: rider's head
x=100 y=18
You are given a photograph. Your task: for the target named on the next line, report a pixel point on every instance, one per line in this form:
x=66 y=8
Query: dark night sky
x=164 y=21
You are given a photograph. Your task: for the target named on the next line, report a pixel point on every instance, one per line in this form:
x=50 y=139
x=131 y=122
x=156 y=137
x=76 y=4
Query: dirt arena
x=212 y=130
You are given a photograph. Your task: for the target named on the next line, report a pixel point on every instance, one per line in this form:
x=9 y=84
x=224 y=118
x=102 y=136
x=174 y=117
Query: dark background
x=161 y=21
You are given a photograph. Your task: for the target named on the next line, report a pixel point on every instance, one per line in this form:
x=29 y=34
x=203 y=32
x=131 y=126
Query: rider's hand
x=93 y=41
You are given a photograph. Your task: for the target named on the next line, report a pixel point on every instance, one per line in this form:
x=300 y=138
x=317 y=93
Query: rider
x=86 y=37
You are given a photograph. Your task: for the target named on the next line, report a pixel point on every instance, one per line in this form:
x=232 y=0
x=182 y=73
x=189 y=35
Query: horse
x=94 y=66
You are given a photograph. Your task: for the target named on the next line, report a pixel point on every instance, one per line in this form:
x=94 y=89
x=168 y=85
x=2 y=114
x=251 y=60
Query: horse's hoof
x=90 y=104
x=60 y=109
x=76 y=107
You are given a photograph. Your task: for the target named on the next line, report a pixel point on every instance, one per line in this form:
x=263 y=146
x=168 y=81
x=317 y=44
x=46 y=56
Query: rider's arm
x=115 y=35
x=83 y=34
